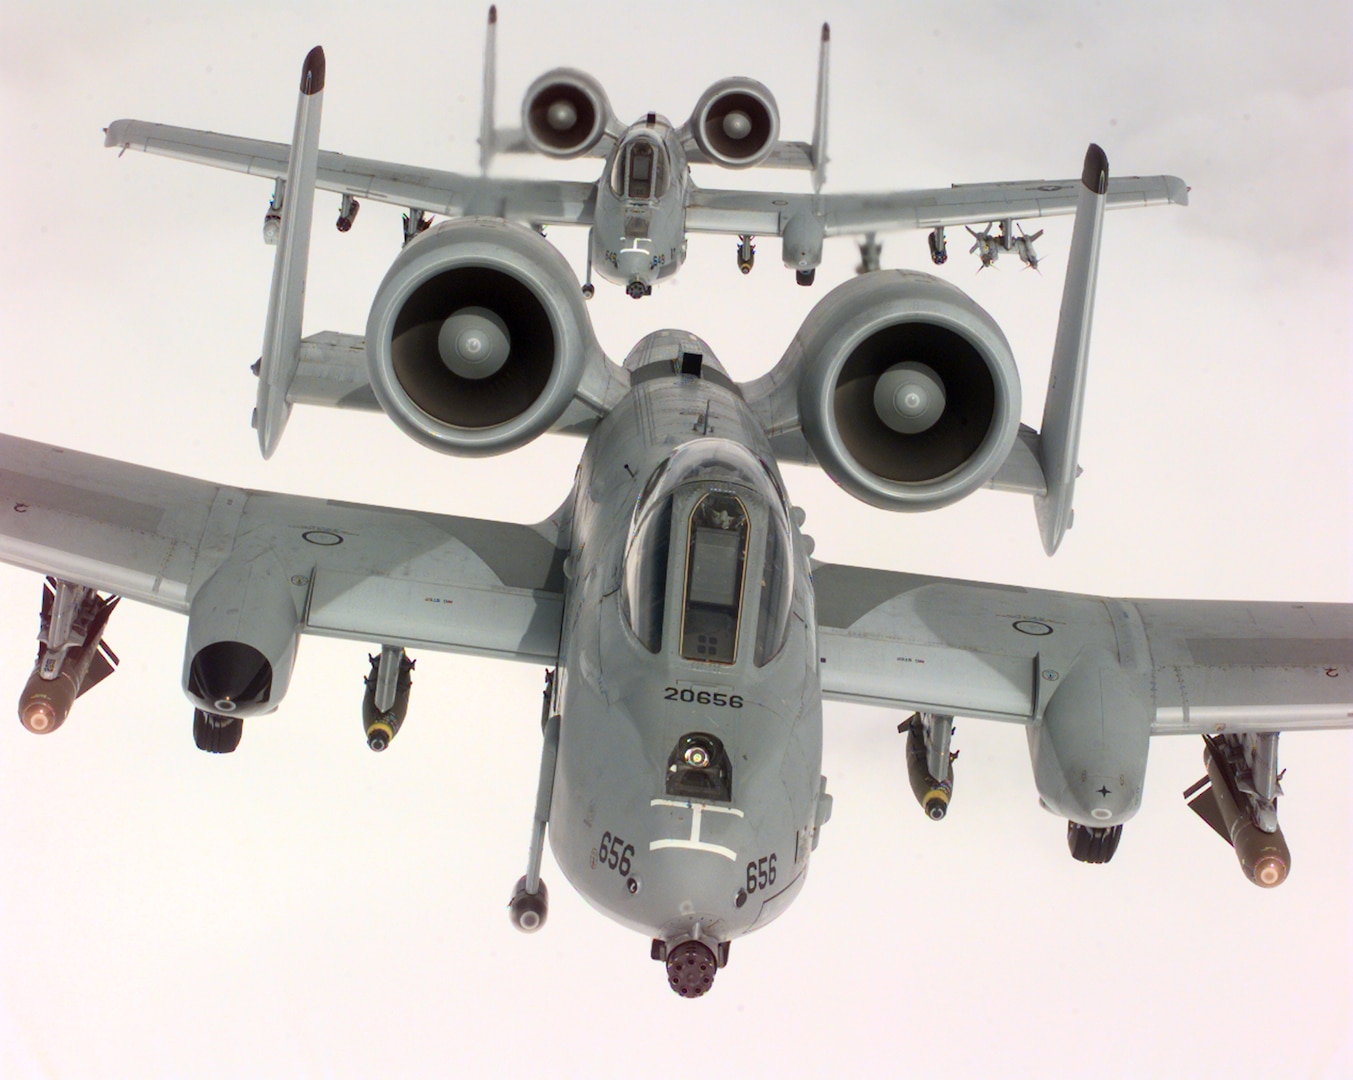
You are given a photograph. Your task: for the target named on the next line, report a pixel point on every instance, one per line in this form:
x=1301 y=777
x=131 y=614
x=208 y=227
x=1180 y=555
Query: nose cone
x=44 y=704
x=634 y=264
x=1270 y=872
x=39 y=717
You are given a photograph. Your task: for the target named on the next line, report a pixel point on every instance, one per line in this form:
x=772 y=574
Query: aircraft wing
x=997 y=651
x=768 y=213
x=395 y=577
x=543 y=202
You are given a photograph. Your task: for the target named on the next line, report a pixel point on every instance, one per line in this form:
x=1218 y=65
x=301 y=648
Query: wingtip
x=826 y=32
x=312 y=71
x=1095 y=175
x=493 y=14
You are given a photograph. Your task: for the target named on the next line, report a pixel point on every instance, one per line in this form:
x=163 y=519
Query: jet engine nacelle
x=564 y=113
x=243 y=629
x=478 y=338
x=1089 y=751
x=907 y=392
x=735 y=123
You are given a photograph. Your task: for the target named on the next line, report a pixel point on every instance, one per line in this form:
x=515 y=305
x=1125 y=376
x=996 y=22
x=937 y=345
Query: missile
x=1264 y=857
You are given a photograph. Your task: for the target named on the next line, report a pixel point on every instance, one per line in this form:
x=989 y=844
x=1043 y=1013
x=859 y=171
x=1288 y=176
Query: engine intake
x=564 y=113
x=478 y=338
x=908 y=394
x=735 y=123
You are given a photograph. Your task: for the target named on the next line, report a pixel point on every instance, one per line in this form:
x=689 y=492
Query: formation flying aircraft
x=645 y=202
x=688 y=636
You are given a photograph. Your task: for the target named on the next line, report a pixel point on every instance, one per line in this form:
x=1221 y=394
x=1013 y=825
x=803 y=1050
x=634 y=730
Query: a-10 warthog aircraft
x=645 y=202
x=689 y=637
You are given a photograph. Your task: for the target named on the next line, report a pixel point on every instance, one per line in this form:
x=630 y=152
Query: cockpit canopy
x=709 y=560
x=640 y=171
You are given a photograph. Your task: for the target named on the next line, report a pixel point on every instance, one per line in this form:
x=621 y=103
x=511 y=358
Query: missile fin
x=1205 y=806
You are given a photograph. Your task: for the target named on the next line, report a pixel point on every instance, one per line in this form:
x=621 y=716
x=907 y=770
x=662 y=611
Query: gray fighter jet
x=645 y=202
x=688 y=636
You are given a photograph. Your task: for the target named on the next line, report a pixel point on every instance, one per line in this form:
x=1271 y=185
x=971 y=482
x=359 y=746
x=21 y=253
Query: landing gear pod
x=244 y=626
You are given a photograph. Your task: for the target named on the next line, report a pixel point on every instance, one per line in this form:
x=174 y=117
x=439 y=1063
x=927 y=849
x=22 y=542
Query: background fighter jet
x=640 y=211
x=339 y=881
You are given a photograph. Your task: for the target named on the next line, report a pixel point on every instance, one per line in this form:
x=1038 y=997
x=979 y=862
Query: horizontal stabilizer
x=819 y=149
x=1059 y=436
x=282 y=332
x=333 y=372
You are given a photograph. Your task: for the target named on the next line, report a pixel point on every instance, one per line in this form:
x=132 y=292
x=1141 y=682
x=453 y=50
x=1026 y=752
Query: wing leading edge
x=373 y=574
x=996 y=651
x=545 y=202
x=768 y=213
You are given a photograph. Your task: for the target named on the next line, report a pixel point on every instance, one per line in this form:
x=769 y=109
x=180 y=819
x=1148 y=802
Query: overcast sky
x=306 y=908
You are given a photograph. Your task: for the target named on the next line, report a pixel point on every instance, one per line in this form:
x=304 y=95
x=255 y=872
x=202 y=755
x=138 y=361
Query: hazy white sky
x=306 y=908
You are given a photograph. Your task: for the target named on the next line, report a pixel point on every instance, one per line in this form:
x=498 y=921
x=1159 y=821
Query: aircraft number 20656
x=688 y=695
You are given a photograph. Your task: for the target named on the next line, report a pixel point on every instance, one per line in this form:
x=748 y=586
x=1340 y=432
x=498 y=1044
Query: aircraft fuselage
x=687 y=782
x=639 y=229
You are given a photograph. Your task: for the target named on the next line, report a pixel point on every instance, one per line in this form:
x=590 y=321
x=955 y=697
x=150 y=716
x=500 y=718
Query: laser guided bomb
x=72 y=655
x=1238 y=798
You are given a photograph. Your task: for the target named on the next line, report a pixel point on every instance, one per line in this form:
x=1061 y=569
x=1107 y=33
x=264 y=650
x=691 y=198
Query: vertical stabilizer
x=820 y=120
x=1061 y=431
x=286 y=301
x=486 y=141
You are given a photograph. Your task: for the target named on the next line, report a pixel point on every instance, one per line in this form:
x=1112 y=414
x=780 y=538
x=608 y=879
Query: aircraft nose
x=634 y=263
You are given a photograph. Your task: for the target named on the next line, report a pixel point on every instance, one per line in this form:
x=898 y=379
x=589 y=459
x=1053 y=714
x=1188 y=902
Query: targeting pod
x=386 y=700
